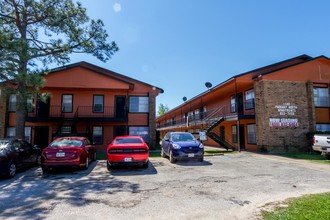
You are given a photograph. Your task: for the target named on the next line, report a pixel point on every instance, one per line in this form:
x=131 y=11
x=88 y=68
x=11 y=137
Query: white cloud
x=116 y=7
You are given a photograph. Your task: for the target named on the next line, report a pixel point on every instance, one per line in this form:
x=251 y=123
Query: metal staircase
x=214 y=119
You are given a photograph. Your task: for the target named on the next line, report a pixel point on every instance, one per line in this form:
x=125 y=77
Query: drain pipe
x=238 y=138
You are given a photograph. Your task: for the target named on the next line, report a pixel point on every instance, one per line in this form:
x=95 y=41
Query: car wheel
x=327 y=156
x=86 y=164
x=94 y=156
x=45 y=169
x=172 y=159
x=12 y=169
x=145 y=165
x=162 y=153
x=108 y=166
x=38 y=160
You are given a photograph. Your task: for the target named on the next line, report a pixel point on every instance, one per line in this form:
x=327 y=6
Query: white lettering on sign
x=283 y=122
x=286 y=109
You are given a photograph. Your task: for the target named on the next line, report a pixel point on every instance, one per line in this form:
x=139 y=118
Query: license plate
x=191 y=155
x=60 y=154
x=128 y=159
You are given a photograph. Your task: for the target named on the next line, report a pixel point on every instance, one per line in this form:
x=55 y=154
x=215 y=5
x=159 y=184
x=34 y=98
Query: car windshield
x=128 y=141
x=66 y=143
x=182 y=137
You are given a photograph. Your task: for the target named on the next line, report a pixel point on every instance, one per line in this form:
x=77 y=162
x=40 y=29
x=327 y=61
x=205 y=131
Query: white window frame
x=138 y=104
x=249 y=99
x=251 y=134
x=98 y=105
x=67 y=104
x=98 y=135
x=321 y=96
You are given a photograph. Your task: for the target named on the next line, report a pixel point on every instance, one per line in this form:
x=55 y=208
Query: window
x=98 y=103
x=249 y=99
x=321 y=97
x=67 y=103
x=251 y=130
x=28 y=134
x=66 y=130
x=11 y=133
x=232 y=104
x=12 y=103
x=234 y=133
x=140 y=131
x=98 y=135
x=139 y=104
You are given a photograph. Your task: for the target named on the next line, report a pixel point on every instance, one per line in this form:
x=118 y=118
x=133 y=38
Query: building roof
x=104 y=72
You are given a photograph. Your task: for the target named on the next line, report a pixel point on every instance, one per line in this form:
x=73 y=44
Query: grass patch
x=217 y=151
x=311 y=207
x=315 y=157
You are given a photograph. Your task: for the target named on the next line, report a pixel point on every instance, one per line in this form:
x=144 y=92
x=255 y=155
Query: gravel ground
x=235 y=186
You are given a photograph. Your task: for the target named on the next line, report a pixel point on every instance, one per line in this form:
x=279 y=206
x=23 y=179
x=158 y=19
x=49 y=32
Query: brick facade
x=284 y=115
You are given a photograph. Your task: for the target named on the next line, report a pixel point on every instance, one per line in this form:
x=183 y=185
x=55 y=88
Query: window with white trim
x=140 y=131
x=67 y=103
x=251 y=132
x=12 y=103
x=249 y=99
x=97 y=135
x=233 y=104
x=11 y=133
x=321 y=97
x=139 y=104
x=98 y=103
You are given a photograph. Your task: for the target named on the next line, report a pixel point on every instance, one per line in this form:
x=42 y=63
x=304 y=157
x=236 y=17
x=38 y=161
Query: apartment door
x=43 y=108
x=41 y=136
x=242 y=137
x=240 y=105
x=119 y=130
x=120 y=107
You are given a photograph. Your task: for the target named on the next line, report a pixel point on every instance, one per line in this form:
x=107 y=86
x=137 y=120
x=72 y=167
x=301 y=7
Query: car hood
x=187 y=143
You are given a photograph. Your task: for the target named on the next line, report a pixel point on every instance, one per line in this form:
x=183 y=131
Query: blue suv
x=181 y=145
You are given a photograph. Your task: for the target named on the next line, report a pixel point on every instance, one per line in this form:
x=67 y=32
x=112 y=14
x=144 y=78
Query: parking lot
x=235 y=186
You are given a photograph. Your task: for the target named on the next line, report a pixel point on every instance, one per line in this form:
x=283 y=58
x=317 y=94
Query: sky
x=178 y=45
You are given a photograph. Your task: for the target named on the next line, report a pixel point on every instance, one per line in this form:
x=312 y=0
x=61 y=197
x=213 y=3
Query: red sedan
x=68 y=151
x=128 y=150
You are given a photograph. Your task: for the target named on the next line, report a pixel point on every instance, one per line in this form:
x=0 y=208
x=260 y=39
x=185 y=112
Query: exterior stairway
x=211 y=122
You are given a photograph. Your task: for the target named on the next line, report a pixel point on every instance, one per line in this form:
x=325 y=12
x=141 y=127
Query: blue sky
x=178 y=45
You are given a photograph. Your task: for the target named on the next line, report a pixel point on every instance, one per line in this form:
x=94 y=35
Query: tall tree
x=35 y=33
x=162 y=109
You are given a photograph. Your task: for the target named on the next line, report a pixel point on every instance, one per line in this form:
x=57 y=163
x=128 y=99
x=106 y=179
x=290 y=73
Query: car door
x=89 y=148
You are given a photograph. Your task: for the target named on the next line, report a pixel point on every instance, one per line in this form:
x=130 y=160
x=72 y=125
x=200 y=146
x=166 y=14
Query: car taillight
x=140 y=150
x=115 y=151
x=314 y=141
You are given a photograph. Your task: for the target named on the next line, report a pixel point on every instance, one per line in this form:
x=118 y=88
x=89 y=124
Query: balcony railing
x=79 y=112
x=205 y=117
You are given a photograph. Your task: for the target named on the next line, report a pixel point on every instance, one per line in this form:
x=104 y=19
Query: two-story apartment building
x=271 y=108
x=84 y=99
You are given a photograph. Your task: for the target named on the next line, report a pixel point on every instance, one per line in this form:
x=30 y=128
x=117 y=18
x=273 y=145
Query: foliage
x=313 y=156
x=162 y=109
x=306 y=207
x=36 y=33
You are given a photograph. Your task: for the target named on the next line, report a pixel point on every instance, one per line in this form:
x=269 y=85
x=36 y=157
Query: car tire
x=145 y=165
x=327 y=156
x=45 y=169
x=12 y=169
x=162 y=153
x=94 y=156
x=172 y=159
x=38 y=160
x=85 y=167
x=109 y=166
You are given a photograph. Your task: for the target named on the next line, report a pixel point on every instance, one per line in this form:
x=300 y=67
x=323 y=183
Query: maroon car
x=68 y=152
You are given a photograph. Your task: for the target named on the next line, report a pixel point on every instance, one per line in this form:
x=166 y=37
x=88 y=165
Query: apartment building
x=272 y=108
x=86 y=100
